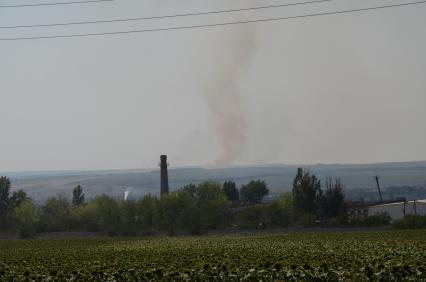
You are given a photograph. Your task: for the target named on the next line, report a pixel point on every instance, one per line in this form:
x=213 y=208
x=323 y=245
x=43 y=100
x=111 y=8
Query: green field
x=351 y=256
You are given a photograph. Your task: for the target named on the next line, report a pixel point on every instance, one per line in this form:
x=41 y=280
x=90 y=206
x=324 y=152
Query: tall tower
x=164 y=175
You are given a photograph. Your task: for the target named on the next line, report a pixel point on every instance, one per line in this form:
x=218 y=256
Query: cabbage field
x=346 y=256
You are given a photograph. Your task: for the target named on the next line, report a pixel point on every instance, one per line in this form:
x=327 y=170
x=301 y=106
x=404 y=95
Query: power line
x=53 y=4
x=168 y=16
x=215 y=24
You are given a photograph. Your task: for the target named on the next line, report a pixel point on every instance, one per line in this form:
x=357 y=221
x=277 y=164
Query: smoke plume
x=127 y=193
x=226 y=105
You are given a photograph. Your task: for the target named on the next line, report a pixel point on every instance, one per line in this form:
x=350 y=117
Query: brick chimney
x=164 y=175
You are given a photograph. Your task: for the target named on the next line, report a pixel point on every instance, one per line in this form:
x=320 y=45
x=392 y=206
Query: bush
x=252 y=217
x=341 y=220
x=306 y=220
x=279 y=212
x=382 y=219
x=376 y=220
x=410 y=221
x=26 y=216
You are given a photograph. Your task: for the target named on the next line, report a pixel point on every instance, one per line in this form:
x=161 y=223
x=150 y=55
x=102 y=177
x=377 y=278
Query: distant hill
x=41 y=185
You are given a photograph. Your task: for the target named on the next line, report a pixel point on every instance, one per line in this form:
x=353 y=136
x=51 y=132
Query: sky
x=346 y=88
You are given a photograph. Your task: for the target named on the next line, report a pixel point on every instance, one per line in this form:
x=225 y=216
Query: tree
x=212 y=205
x=190 y=189
x=307 y=194
x=56 y=214
x=253 y=192
x=251 y=217
x=17 y=199
x=103 y=214
x=4 y=195
x=279 y=212
x=333 y=198
x=171 y=207
x=9 y=203
x=231 y=191
x=26 y=218
x=194 y=208
x=147 y=210
x=129 y=218
x=77 y=196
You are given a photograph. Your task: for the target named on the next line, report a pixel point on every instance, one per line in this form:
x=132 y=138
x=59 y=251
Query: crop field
x=346 y=256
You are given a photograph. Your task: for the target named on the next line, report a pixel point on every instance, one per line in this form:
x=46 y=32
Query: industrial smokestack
x=164 y=175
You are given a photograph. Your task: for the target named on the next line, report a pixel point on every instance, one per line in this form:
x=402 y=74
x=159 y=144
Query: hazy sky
x=348 y=88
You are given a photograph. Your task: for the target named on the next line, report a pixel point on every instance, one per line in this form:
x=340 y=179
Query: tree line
x=192 y=208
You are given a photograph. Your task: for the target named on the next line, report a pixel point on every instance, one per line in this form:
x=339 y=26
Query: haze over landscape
x=336 y=89
x=213 y=140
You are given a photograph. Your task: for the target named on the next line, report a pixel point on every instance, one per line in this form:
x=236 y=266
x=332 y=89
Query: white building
x=399 y=209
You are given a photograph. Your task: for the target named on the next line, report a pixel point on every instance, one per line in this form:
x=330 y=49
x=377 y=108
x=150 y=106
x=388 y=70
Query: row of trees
x=192 y=208
x=251 y=193
x=309 y=198
x=307 y=204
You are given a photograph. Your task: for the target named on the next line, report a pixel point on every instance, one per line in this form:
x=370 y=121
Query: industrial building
x=396 y=209
x=399 y=209
x=360 y=209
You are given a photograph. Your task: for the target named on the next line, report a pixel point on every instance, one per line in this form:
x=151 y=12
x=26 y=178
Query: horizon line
x=207 y=167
